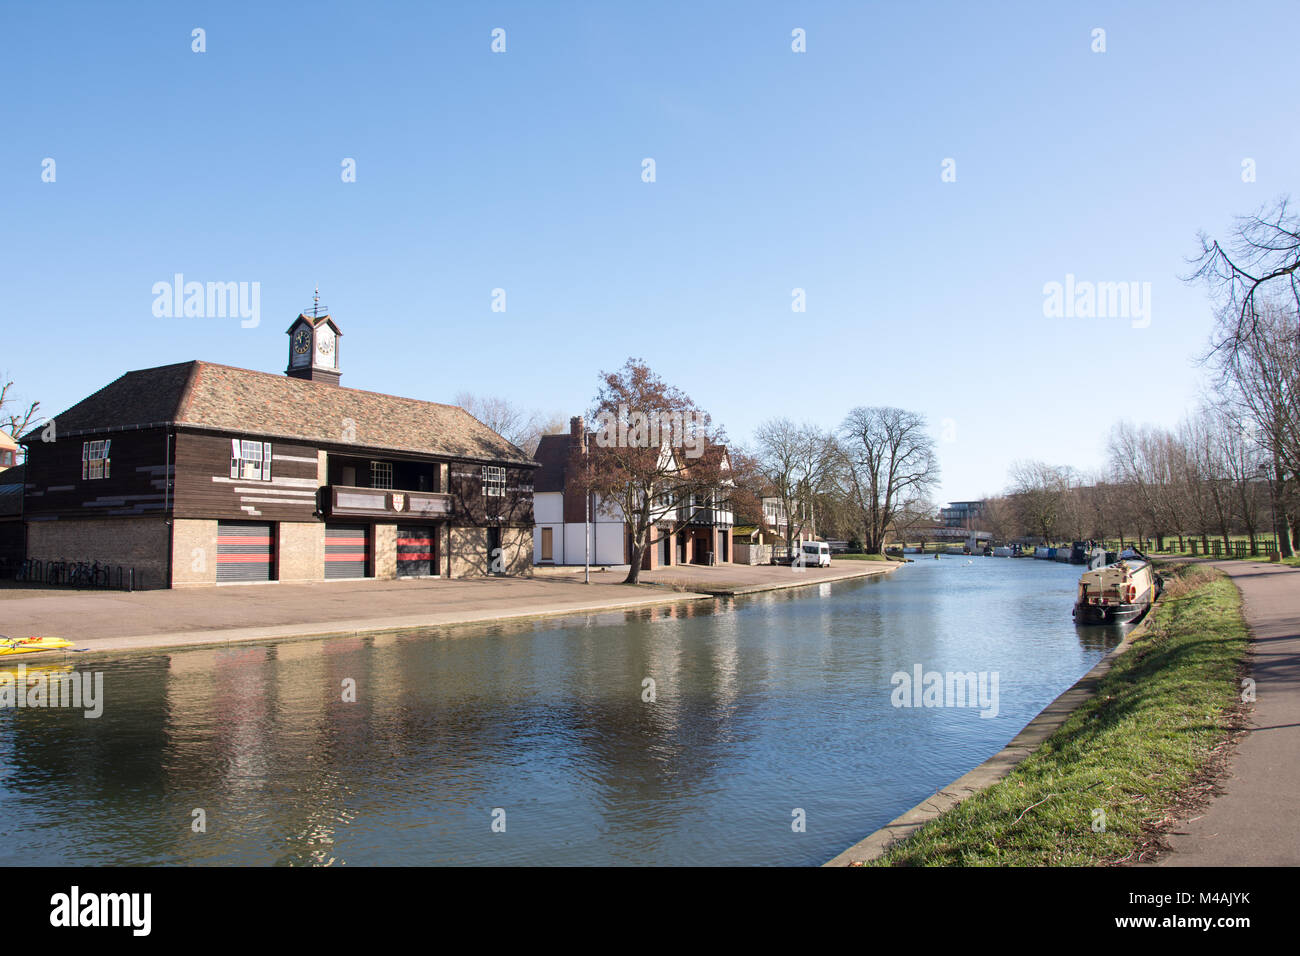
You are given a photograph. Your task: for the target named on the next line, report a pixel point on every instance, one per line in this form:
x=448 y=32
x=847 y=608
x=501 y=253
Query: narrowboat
x=1117 y=593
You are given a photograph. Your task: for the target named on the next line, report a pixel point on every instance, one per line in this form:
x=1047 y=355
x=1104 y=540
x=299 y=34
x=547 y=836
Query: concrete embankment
x=110 y=621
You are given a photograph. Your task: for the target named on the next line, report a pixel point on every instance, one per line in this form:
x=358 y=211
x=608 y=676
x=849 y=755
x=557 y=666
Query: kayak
x=31 y=645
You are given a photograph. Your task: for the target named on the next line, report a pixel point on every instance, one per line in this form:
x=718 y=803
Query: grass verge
x=1144 y=751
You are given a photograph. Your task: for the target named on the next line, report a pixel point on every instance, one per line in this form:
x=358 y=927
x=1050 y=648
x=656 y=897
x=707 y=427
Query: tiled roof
x=206 y=395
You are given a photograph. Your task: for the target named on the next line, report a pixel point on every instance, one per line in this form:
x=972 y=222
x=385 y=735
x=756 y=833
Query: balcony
x=703 y=515
x=349 y=501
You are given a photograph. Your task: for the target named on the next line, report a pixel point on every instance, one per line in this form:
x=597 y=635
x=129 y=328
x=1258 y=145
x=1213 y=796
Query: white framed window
x=94 y=459
x=381 y=474
x=250 y=460
x=494 y=481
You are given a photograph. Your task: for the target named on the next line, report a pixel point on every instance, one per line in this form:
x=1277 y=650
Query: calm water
x=764 y=704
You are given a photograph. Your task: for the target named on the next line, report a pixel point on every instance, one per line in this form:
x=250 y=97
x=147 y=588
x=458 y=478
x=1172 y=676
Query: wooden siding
x=204 y=488
x=473 y=508
x=135 y=485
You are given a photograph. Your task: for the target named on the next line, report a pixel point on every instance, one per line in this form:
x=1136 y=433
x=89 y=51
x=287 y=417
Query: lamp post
x=586 y=501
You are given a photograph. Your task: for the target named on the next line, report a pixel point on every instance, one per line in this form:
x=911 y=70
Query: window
x=494 y=481
x=94 y=459
x=250 y=460
x=381 y=474
x=6 y=458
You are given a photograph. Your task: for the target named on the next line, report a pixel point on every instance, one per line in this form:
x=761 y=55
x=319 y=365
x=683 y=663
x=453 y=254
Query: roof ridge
x=362 y=391
x=182 y=409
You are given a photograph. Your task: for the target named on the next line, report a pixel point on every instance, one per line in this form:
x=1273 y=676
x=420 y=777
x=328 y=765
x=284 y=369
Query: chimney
x=576 y=426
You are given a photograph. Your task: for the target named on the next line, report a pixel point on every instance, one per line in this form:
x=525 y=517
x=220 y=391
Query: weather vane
x=316 y=307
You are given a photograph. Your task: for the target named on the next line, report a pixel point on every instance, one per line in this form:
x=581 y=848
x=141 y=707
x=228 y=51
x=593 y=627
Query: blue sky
x=774 y=170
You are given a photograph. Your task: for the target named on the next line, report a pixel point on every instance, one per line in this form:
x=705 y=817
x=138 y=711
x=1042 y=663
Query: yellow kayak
x=31 y=645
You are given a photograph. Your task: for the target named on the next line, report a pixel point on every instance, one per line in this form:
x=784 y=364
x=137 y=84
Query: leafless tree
x=519 y=426
x=795 y=459
x=1258 y=261
x=1000 y=518
x=1038 y=491
x=885 y=458
x=16 y=419
x=1263 y=392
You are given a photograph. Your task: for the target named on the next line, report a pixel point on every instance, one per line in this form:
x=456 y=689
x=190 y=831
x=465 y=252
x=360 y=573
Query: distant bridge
x=973 y=539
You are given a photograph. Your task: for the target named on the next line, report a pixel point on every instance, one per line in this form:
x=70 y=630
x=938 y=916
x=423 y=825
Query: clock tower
x=314 y=346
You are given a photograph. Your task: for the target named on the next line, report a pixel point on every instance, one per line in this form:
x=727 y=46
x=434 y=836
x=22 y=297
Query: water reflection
x=761 y=704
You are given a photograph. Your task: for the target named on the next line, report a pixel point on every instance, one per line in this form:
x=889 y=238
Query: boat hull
x=1111 y=614
x=32 y=645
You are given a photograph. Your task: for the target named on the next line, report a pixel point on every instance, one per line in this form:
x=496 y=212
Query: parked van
x=816 y=554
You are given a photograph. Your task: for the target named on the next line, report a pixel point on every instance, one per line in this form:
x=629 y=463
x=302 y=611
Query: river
x=770 y=733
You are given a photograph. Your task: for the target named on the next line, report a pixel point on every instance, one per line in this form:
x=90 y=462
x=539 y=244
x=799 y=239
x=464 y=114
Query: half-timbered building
x=198 y=473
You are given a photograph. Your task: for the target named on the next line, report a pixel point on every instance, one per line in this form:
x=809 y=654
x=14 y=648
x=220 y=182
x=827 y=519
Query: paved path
x=147 y=620
x=1257 y=821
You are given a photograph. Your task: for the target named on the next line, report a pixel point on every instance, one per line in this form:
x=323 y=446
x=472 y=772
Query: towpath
x=1255 y=821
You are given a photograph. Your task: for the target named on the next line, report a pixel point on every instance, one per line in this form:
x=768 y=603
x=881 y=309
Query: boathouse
x=202 y=474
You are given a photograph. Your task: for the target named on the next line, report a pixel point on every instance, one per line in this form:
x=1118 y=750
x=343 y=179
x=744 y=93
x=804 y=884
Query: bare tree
x=885 y=458
x=14 y=417
x=1039 y=492
x=1000 y=518
x=1261 y=258
x=795 y=460
x=1264 y=374
x=519 y=426
x=750 y=482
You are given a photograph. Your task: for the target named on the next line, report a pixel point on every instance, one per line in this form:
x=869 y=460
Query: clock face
x=325 y=347
x=302 y=341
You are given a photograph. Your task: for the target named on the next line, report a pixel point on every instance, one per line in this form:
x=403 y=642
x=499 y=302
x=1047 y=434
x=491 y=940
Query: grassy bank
x=1141 y=750
x=861 y=557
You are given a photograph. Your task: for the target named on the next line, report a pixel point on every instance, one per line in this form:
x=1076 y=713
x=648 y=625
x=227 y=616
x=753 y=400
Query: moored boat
x=1116 y=593
x=31 y=645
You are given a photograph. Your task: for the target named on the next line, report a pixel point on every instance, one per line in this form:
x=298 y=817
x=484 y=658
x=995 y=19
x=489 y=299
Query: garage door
x=417 y=550
x=347 y=548
x=245 y=551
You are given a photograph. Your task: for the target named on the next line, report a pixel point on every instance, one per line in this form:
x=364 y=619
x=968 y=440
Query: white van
x=815 y=554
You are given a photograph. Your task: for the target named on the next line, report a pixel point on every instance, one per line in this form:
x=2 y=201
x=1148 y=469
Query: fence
x=75 y=574
x=1196 y=547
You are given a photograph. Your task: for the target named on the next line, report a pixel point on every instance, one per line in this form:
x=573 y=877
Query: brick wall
x=468 y=552
x=517 y=550
x=140 y=543
x=194 y=551
x=302 y=551
x=384 y=547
